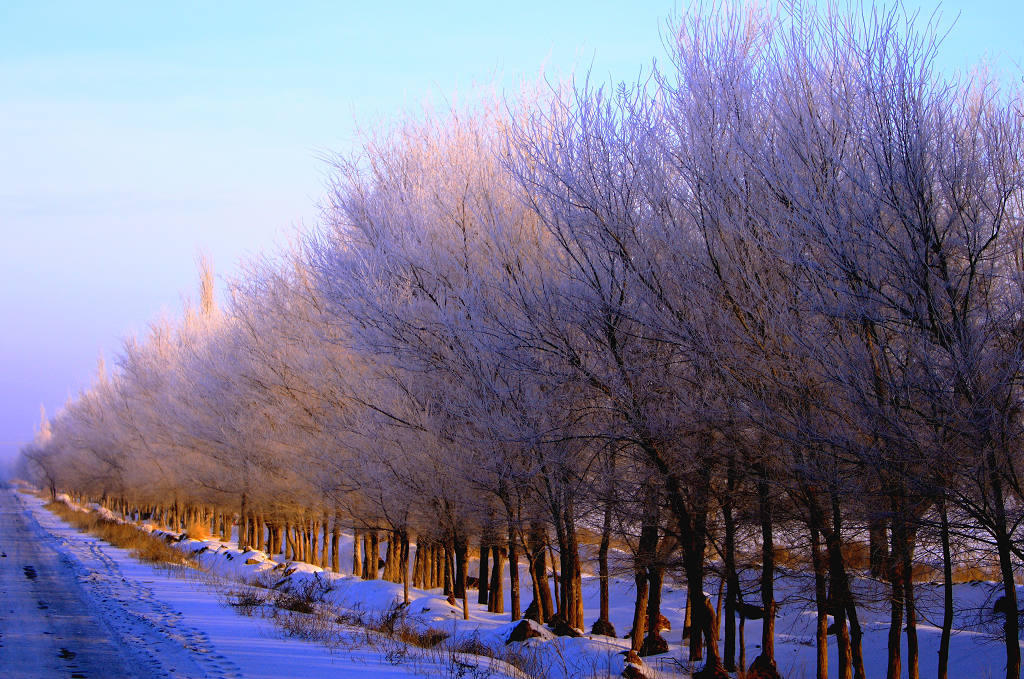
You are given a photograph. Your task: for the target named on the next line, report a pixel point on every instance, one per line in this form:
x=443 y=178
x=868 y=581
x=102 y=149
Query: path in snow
x=45 y=629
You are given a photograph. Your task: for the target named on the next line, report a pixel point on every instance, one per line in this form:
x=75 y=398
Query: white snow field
x=176 y=622
x=975 y=649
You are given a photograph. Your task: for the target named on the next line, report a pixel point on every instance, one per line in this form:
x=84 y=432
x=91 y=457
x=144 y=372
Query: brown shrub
x=427 y=638
x=143 y=546
x=198 y=530
x=857 y=555
x=791 y=559
x=981 y=572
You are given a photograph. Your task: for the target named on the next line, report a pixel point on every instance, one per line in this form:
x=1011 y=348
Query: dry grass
x=857 y=555
x=977 y=573
x=791 y=558
x=392 y=623
x=198 y=530
x=143 y=546
x=593 y=538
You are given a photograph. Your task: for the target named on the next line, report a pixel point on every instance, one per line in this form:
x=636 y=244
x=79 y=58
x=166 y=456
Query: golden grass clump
x=198 y=530
x=977 y=573
x=143 y=546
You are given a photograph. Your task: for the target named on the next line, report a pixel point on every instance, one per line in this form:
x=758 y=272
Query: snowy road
x=45 y=629
x=74 y=606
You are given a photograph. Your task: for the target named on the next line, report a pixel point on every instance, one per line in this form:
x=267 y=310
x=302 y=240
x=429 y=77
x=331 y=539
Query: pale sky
x=134 y=135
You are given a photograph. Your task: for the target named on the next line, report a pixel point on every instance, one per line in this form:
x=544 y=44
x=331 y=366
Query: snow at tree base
x=736 y=349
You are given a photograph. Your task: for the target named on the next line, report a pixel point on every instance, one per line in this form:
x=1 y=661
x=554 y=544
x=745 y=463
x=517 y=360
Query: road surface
x=46 y=629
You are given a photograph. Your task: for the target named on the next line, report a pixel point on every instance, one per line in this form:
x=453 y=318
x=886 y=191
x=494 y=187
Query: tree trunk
x=325 y=525
x=653 y=642
x=714 y=659
x=730 y=575
x=371 y=557
x=460 y=545
x=913 y=663
x=1011 y=626
x=313 y=546
x=647 y=565
x=536 y=540
x=336 y=544
x=484 y=572
x=839 y=587
x=242 y=518
x=496 y=597
x=571 y=600
x=947 y=592
x=894 y=665
x=513 y=571
x=688 y=618
x=405 y=567
x=604 y=623
x=821 y=604
x=449 y=569
x=743 y=645
x=357 y=554
x=639 y=608
x=878 y=548
x=767 y=568
x=556 y=582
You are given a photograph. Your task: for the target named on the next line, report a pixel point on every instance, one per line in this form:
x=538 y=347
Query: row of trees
x=774 y=286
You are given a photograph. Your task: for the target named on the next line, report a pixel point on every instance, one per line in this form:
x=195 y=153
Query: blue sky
x=134 y=135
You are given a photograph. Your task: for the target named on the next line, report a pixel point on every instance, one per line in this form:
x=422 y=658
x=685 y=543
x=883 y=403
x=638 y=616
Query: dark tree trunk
x=878 y=548
x=894 y=664
x=325 y=541
x=730 y=575
x=654 y=643
x=404 y=564
x=714 y=659
x=513 y=571
x=639 y=608
x=604 y=624
x=460 y=548
x=821 y=604
x=242 y=517
x=336 y=544
x=913 y=662
x=1011 y=628
x=484 y=572
x=839 y=603
x=416 y=564
x=537 y=540
x=767 y=569
x=571 y=602
x=449 y=569
x=556 y=581
x=648 y=566
x=947 y=592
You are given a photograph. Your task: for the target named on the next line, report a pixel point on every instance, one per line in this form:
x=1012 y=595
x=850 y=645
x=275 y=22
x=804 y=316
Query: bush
x=143 y=546
x=247 y=600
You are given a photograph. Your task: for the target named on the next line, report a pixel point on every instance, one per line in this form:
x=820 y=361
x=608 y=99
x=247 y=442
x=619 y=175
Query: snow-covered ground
x=181 y=620
x=172 y=623
x=975 y=649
